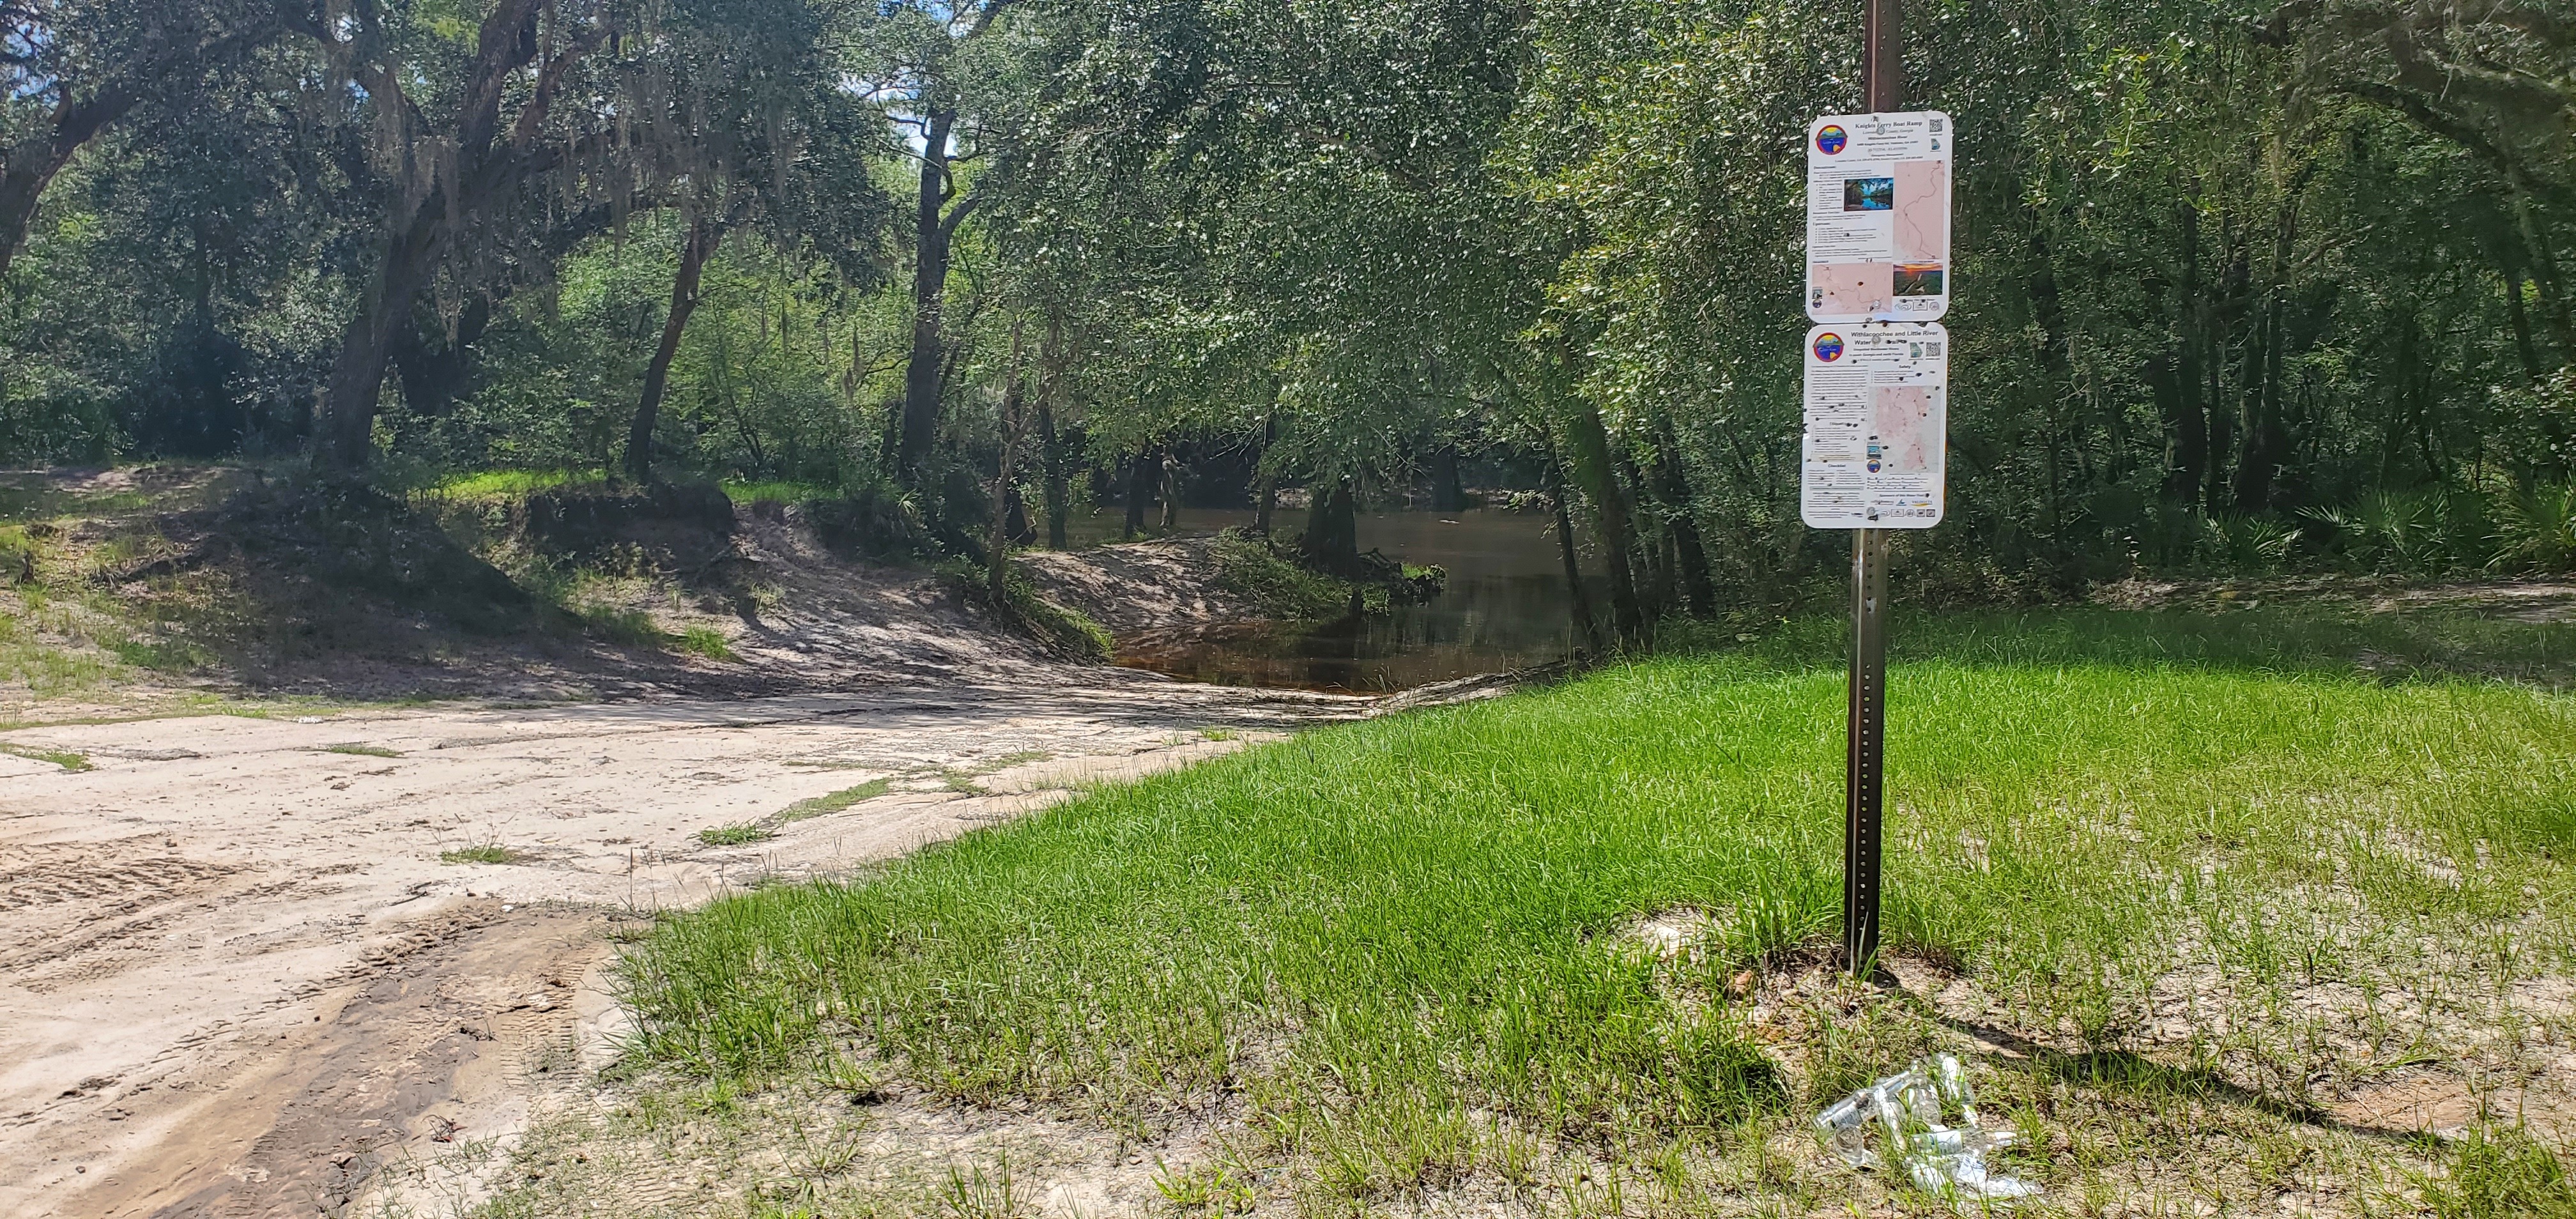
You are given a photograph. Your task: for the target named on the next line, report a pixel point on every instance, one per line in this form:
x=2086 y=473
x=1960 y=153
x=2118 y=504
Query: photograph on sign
x=1878 y=217
x=1877 y=428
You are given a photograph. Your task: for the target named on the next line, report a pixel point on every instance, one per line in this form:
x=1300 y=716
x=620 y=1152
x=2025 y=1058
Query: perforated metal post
x=1863 y=778
x=1863 y=782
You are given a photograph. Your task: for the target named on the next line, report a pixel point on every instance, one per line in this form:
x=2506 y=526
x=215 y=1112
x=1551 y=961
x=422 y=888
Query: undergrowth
x=1250 y=567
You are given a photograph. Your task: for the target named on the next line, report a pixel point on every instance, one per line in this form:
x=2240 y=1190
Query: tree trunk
x=1446 y=493
x=924 y=374
x=1169 y=489
x=1692 y=553
x=2266 y=441
x=1332 y=540
x=32 y=163
x=2187 y=467
x=1140 y=488
x=1654 y=535
x=695 y=249
x=2514 y=312
x=997 y=557
x=1596 y=472
x=1050 y=398
x=358 y=373
x=1265 y=499
x=1585 y=624
x=434 y=377
x=1058 y=495
x=2544 y=272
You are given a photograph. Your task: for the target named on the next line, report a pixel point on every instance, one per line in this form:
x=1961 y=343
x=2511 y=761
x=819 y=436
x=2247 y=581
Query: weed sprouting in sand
x=735 y=835
x=834 y=802
x=481 y=852
x=362 y=749
x=67 y=759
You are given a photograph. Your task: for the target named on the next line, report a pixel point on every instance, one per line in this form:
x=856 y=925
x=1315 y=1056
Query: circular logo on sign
x=1829 y=347
x=1831 y=138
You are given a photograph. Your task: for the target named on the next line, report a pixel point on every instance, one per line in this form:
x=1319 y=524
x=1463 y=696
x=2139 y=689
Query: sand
x=236 y=976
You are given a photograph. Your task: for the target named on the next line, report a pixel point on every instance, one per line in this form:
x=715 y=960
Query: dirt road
x=236 y=975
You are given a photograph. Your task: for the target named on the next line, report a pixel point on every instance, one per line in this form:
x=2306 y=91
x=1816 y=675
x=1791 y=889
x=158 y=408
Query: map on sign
x=1876 y=446
x=1878 y=217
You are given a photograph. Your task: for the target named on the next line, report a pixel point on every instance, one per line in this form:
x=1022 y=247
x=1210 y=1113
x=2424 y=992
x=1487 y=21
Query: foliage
x=1252 y=568
x=2241 y=287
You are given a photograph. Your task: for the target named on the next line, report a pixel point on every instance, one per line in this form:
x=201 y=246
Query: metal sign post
x=1884 y=67
x=1875 y=454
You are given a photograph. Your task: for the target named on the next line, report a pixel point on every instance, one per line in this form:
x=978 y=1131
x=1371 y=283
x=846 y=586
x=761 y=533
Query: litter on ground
x=1909 y=1109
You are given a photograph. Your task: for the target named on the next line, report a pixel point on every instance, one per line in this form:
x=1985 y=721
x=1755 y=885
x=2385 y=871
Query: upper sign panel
x=1878 y=217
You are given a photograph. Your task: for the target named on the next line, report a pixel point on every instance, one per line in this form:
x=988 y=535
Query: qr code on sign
x=1932 y=349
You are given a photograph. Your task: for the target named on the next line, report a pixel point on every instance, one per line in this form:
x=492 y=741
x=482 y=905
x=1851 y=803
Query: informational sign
x=1878 y=217
x=1876 y=447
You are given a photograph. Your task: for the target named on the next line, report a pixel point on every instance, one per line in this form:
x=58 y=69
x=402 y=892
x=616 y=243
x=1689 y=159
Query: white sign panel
x=1878 y=217
x=1877 y=442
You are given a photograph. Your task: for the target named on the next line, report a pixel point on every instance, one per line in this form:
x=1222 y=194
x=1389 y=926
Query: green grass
x=777 y=491
x=67 y=759
x=512 y=484
x=1404 y=943
x=1250 y=567
x=363 y=750
x=834 y=802
x=704 y=641
x=481 y=852
x=736 y=835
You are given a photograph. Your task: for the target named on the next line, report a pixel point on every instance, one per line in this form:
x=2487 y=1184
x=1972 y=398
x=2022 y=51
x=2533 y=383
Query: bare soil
x=238 y=973
x=249 y=956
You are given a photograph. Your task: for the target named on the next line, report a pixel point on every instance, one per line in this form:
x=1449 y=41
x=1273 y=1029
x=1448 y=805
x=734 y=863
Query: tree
x=917 y=58
x=71 y=68
x=467 y=141
x=762 y=133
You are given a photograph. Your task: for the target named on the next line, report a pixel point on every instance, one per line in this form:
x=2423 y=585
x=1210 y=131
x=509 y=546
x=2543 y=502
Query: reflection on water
x=1505 y=607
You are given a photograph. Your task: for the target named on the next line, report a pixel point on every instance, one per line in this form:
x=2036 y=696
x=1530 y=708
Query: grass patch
x=778 y=491
x=481 y=852
x=65 y=758
x=736 y=835
x=363 y=750
x=1250 y=567
x=629 y=627
x=2498 y=1171
x=512 y=484
x=1065 y=631
x=704 y=641
x=834 y=802
x=1405 y=943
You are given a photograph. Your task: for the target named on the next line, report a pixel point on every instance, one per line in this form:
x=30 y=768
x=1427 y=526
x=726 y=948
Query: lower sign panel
x=1877 y=440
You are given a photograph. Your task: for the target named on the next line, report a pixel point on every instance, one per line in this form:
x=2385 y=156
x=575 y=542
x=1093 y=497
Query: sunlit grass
x=67 y=759
x=481 y=852
x=834 y=802
x=1404 y=942
x=735 y=835
x=777 y=491
x=362 y=750
x=508 y=484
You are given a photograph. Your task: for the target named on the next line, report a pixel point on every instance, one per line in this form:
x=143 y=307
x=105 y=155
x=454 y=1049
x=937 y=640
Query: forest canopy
x=2238 y=285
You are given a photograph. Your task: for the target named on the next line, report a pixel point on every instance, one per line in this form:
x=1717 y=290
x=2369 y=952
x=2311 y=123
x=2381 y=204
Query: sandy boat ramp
x=236 y=975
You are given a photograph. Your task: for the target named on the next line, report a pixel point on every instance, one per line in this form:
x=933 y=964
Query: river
x=1505 y=607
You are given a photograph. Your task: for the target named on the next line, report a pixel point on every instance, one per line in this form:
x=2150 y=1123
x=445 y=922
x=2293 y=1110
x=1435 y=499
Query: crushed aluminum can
x=1909 y=1109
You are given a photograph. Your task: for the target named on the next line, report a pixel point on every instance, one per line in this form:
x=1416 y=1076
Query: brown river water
x=1505 y=607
